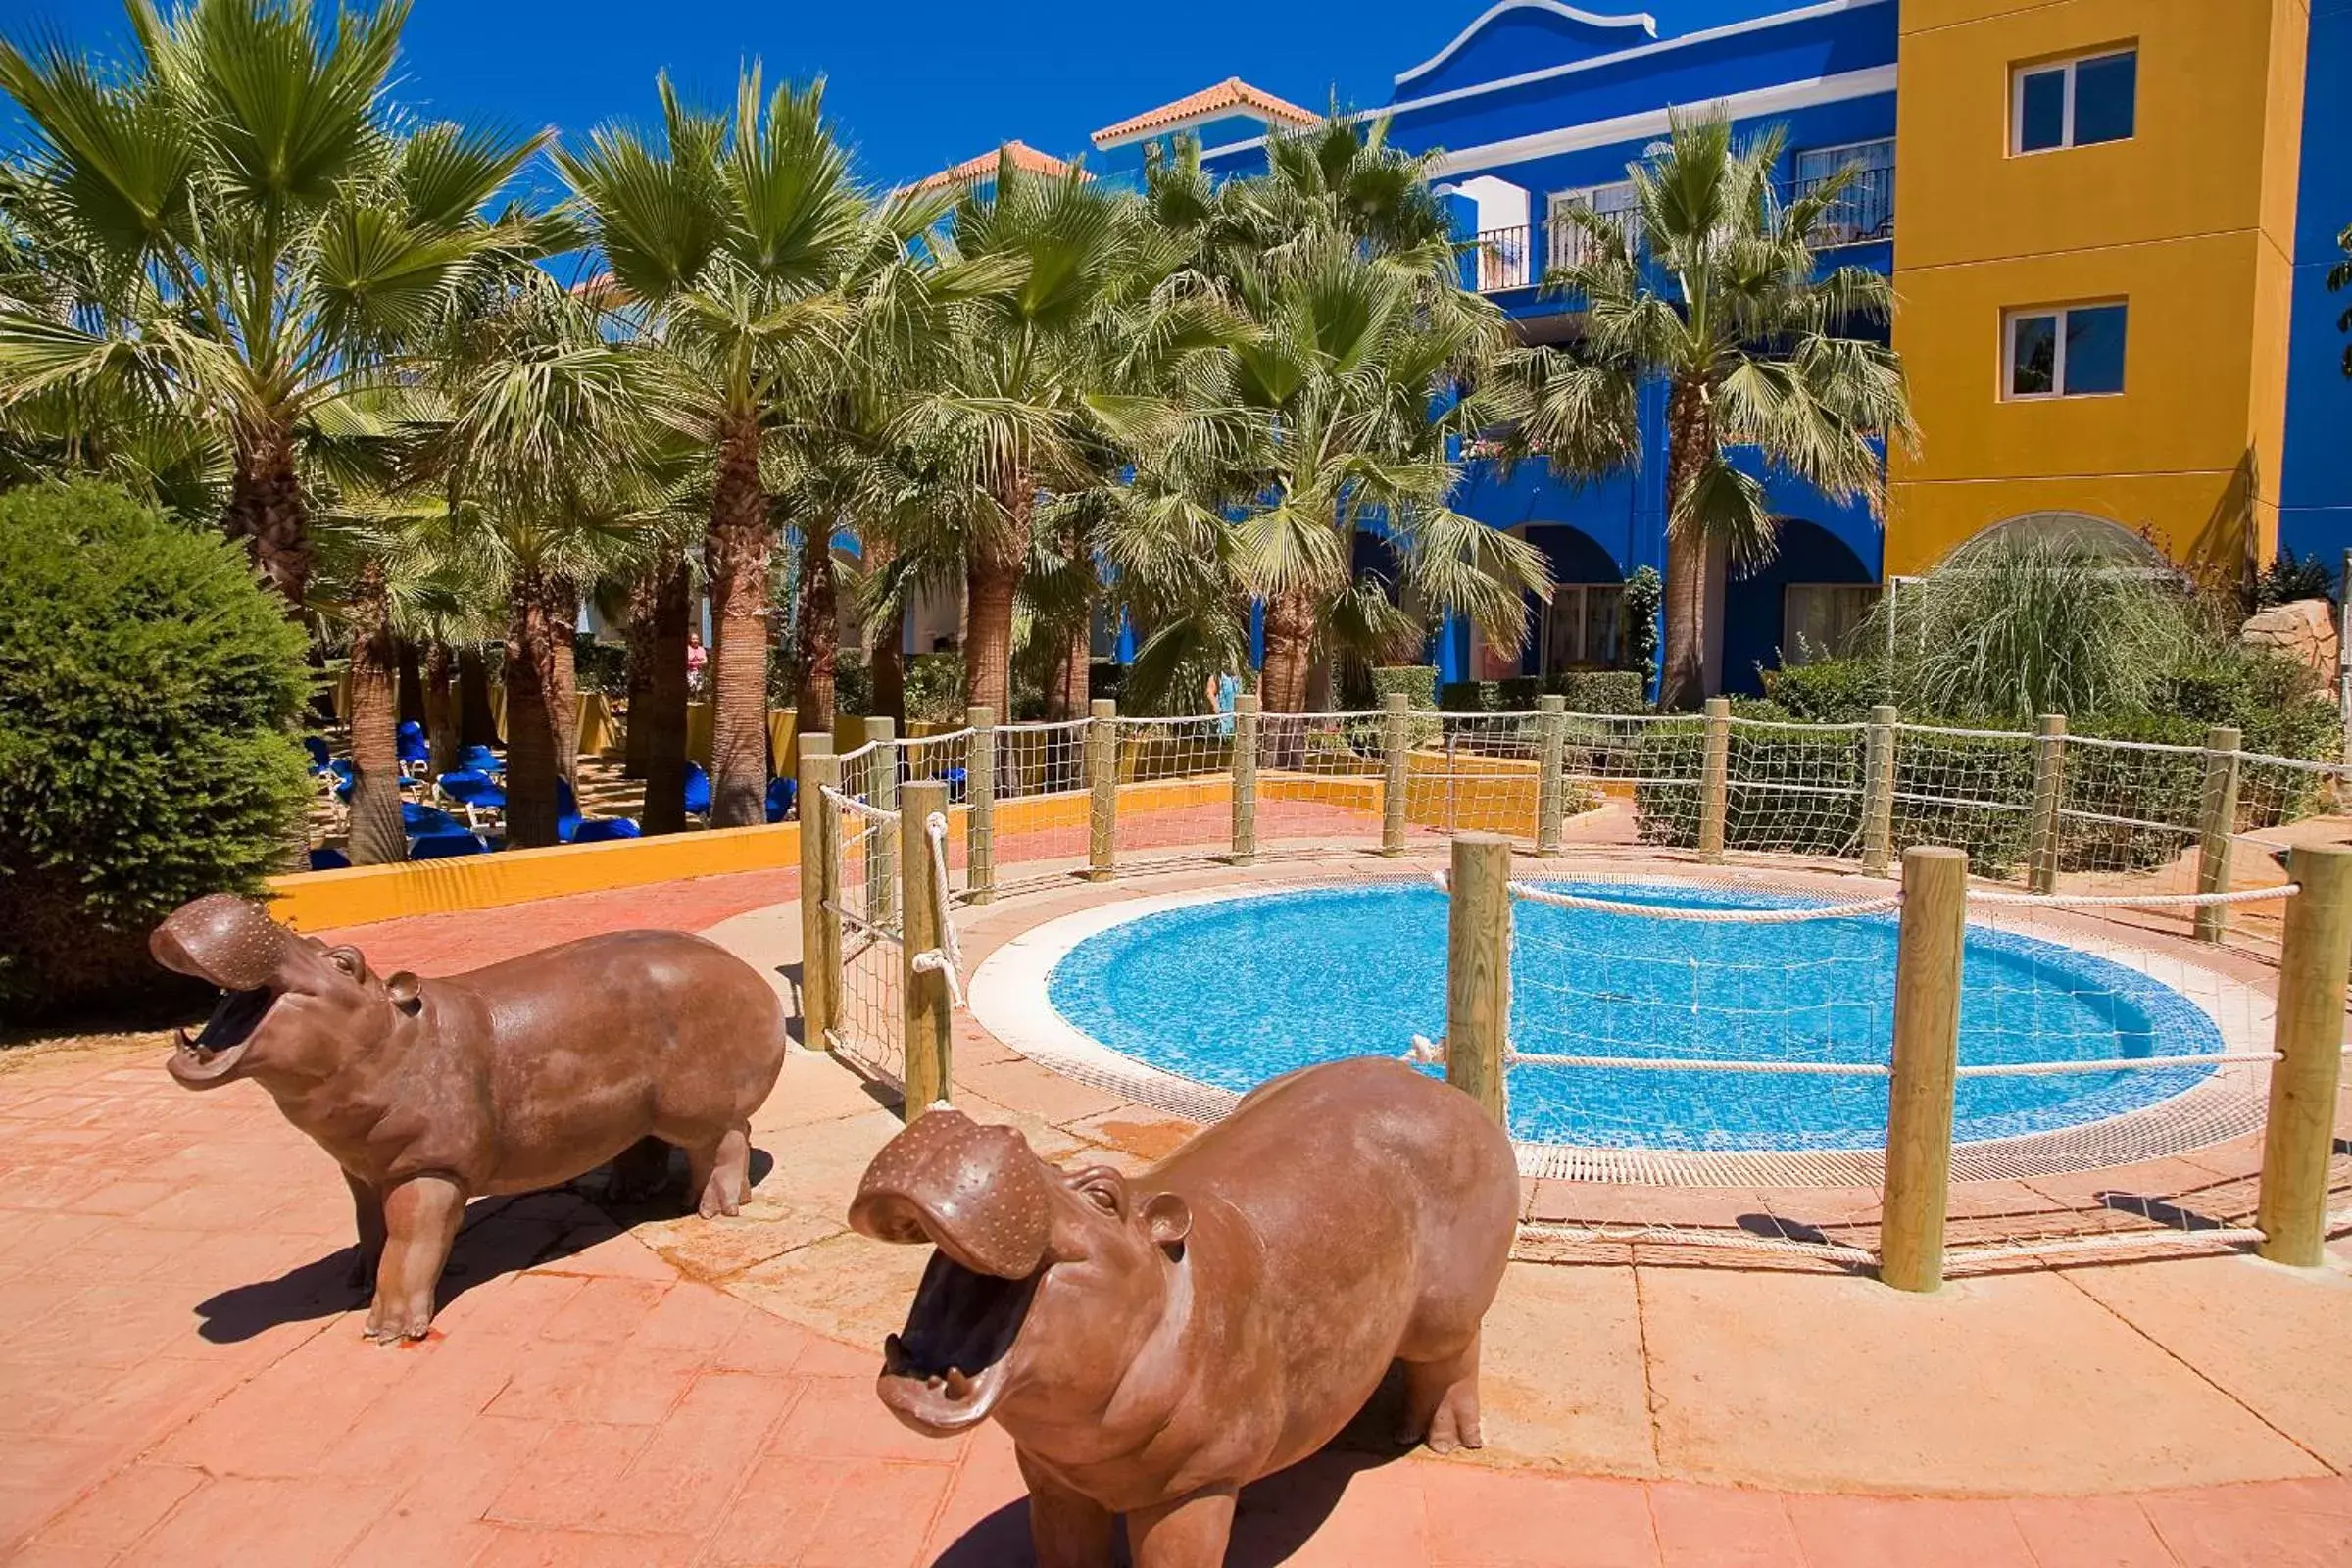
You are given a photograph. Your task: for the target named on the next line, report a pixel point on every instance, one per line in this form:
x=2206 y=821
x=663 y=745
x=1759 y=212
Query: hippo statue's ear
x=402 y=989
x=1170 y=1220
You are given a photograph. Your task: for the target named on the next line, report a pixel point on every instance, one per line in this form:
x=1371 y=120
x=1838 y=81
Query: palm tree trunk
x=664 y=714
x=1282 y=682
x=266 y=510
x=1290 y=649
x=644 y=590
x=886 y=639
x=476 y=725
x=992 y=577
x=817 y=632
x=376 y=837
x=1682 y=685
x=563 y=689
x=531 y=738
x=736 y=556
x=440 y=713
x=412 y=685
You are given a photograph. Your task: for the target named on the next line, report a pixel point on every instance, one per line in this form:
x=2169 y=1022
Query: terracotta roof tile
x=971 y=170
x=1231 y=93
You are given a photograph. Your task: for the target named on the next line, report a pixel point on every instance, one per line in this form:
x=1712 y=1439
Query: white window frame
x=1556 y=605
x=1555 y=202
x=2009 y=320
x=2066 y=113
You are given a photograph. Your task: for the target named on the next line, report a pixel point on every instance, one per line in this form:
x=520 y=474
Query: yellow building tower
x=2092 y=272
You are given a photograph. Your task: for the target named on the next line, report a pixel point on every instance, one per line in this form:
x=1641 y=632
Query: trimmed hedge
x=149 y=688
x=1418 y=683
x=1586 y=691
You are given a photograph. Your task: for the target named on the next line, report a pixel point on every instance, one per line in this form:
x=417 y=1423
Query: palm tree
x=1757 y=347
x=733 y=234
x=549 y=473
x=1031 y=383
x=237 y=228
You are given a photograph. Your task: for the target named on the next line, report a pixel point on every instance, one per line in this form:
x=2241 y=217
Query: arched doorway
x=1583 y=627
x=1804 y=604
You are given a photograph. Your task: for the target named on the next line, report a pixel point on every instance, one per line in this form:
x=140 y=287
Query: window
x=2073 y=352
x=1615 y=203
x=1581 y=625
x=1866 y=210
x=1819 y=619
x=2072 y=102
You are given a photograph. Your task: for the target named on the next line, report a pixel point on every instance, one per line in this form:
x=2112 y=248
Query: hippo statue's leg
x=420 y=1223
x=1188 y=1534
x=368 y=1211
x=1068 y=1530
x=720 y=1174
x=1440 y=1401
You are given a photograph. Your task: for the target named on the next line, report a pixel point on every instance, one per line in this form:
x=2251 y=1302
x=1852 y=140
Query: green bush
x=1418 y=683
x=601 y=668
x=1645 y=592
x=148 y=689
x=1602 y=691
x=935 y=689
x=1470 y=697
x=1829 y=691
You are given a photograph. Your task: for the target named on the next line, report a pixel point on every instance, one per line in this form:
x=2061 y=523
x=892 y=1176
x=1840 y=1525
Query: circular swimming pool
x=1231 y=991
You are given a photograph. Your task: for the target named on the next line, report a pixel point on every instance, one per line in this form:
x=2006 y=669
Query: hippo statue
x=515 y=1076
x=1154 y=1342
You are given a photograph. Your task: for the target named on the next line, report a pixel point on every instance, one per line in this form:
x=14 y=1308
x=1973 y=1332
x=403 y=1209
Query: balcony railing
x=1862 y=214
x=1520 y=256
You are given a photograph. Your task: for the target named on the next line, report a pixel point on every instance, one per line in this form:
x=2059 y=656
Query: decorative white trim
x=1635 y=18
x=1657 y=121
x=1639 y=51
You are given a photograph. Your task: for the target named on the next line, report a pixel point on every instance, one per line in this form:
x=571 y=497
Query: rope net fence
x=1735 y=1042
x=868 y=1024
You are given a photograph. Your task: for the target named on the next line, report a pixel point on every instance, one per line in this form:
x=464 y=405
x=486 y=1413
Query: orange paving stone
x=182 y=1382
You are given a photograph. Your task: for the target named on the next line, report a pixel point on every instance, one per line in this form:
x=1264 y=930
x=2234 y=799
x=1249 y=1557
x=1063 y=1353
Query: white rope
x=1836 y=1251
x=946 y=960
x=1669 y=912
x=1042 y=728
x=2041 y=1070
x=952 y=736
x=2126 y=900
x=1813 y=1069
x=852 y=804
x=853 y=755
x=858 y=922
x=2102 y=1241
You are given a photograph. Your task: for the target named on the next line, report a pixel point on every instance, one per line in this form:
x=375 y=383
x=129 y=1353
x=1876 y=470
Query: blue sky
x=916 y=84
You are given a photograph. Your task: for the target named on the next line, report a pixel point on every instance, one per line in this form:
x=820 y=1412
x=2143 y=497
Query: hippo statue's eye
x=348 y=961
x=1104 y=1190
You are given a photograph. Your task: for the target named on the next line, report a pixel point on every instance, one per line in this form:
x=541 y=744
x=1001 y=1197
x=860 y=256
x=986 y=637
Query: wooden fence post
x=1715 y=779
x=820 y=885
x=922 y=992
x=1878 y=790
x=882 y=850
x=1102 y=781
x=980 y=801
x=1478 y=968
x=2049 y=792
x=2215 y=827
x=1396 y=727
x=1245 y=778
x=1927 y=1053
x=2298 y=1135
x=1551 y=737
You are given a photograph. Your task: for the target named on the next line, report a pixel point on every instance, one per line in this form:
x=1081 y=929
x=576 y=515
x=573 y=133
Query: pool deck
x=184 y=1381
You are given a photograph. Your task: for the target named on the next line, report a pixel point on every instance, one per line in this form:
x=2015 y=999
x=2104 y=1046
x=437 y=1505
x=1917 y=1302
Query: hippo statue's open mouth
x=214 y=1051
x=946 y=1370
x=979 y=1196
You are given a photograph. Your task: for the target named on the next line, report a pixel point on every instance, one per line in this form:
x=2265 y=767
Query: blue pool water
x=1234 y=992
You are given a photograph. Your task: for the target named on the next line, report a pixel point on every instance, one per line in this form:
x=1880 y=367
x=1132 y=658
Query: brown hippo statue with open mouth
x=1153 y=1343
x=504 y=1079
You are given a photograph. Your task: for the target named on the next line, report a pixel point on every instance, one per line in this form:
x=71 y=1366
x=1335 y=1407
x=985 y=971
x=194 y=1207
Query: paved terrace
x=184 y=1381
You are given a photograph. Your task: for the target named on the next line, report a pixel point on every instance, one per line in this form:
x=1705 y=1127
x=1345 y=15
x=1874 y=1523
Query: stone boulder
x=2304 y=631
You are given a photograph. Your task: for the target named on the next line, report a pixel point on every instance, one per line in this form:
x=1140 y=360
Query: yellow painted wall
x=2188 y=220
